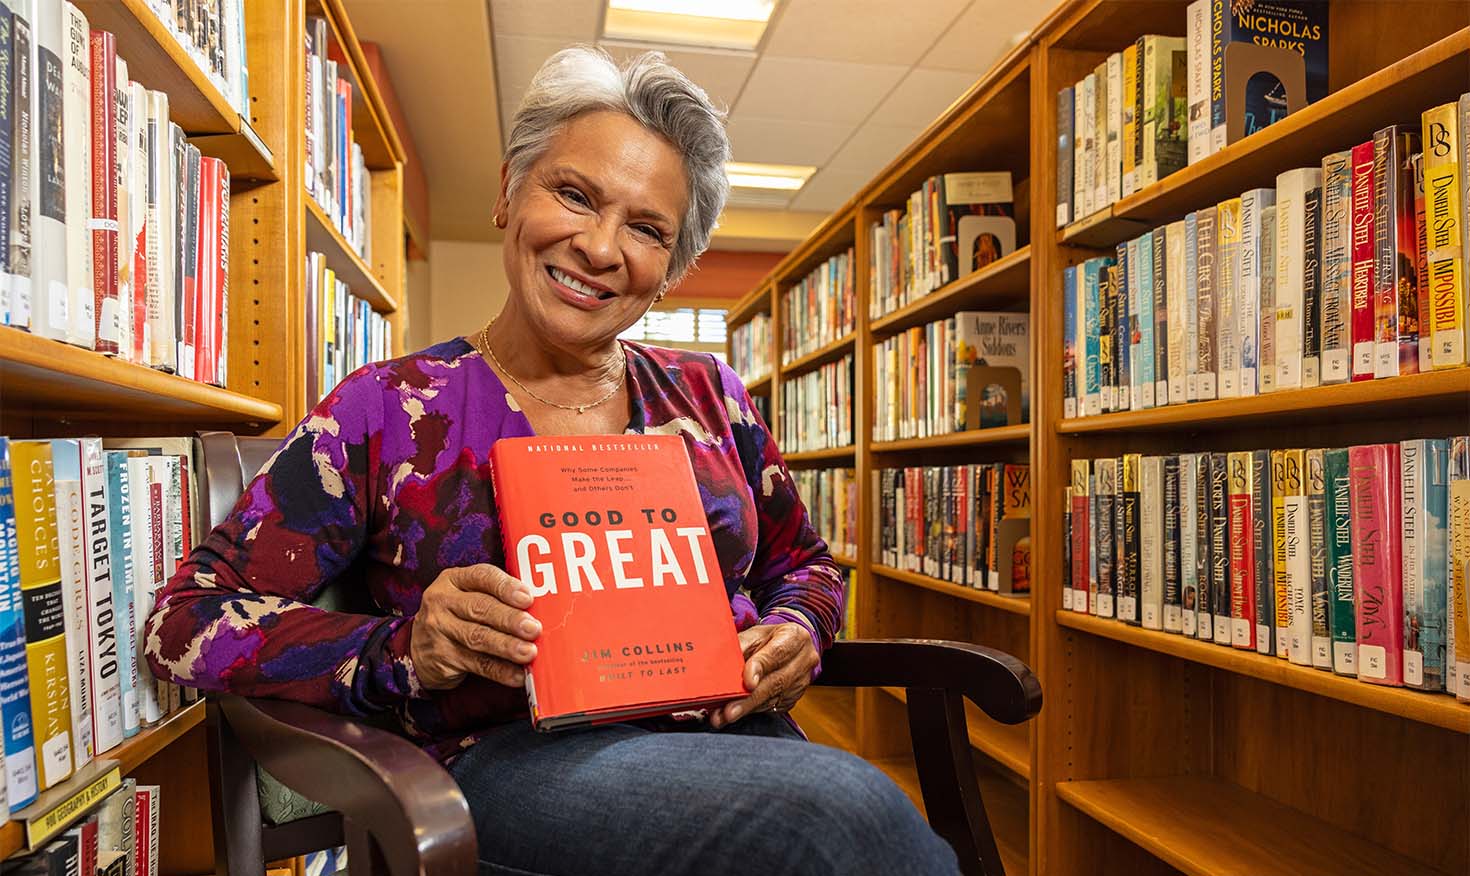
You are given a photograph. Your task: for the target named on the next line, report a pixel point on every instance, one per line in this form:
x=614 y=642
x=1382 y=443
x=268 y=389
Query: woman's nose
x=598 y=244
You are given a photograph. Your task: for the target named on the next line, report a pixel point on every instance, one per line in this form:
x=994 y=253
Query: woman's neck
x=516 y=348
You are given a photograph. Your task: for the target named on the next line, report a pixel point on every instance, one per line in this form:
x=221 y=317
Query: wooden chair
x=399 y=812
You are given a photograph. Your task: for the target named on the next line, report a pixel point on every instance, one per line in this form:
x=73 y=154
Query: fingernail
x=530 y=626
x=527 y=650
x=522 y=597
x=519 y=678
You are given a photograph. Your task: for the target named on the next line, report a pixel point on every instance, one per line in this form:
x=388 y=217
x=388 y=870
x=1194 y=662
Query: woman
x=611 y=186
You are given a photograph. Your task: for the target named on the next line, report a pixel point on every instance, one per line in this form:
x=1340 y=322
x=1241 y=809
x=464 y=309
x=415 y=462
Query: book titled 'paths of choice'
x=609 y=534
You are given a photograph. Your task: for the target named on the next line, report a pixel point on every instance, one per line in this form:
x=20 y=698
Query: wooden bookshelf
x=1017 y=434
x=844 y=560
x=1013 y=604
x=1006 y=744
x=754 y=302
x=830 y=454
x=1004 y=285
x=322 y=236
x=818 y=357
x=759 y=386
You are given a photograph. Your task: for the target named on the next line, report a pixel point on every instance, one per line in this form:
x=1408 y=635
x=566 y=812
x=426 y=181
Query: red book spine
x=1406 y=253
x=103 y=47
x=1081 y=545
x=1242 y=554
x=222 y=276
x=1364 y=262
x=204 y=273
x=1373 y=484
x=142 y=801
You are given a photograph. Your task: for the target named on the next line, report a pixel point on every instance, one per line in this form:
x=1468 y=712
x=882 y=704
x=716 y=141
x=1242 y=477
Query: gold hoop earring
x=499 y=220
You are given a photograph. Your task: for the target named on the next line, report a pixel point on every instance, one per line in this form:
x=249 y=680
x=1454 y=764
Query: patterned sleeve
x=792 y=576
x=236 y=616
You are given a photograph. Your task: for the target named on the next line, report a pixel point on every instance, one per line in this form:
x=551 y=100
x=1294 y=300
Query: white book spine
x=1151 y=542
x=1227 y=290
x=1291 y=267
x=1115 y=128
x=1411 y=549
x=159 y=279
x=1298 y=562
x=1102 y=135
x=77 y=124
x=71 y=526
x=1177 y=303
x=1266 y=335
x=140 y=486
x=1248 y=312
x=1188 y=542
x=1089 y=143
x=1336 y=266
x=107 y=717
x=1197 y=48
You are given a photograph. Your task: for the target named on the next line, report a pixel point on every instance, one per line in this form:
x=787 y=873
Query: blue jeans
x=624 y=799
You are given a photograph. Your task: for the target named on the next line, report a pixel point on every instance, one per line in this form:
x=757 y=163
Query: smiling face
x=590 y=230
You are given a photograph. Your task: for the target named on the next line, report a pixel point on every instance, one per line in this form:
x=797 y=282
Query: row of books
x=1347 y=271
x=953 y=226
x=345 y=332
x=1350 y=560
x=114 y=230
x=212 y=32
x=820 y=309
x=967 y=524
x=922 y=374
x=92 y=529
x=336 y=174
x=1165 y=102
x=750 y=348
x=816 y=408
x=119 y=838
x=831 y=500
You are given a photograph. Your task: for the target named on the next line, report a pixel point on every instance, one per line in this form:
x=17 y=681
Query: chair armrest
x=380 y=781
x=998 y=683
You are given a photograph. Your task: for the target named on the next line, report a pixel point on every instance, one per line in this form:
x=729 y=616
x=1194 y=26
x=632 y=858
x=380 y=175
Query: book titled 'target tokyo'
x=609 y=534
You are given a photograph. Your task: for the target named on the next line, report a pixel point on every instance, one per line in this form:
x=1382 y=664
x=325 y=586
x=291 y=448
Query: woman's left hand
x=779 y=659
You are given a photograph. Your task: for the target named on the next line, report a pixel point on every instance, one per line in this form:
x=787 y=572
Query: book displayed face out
x=609 y=533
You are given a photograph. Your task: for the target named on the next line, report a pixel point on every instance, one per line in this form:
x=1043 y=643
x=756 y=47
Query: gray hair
x=582 y=79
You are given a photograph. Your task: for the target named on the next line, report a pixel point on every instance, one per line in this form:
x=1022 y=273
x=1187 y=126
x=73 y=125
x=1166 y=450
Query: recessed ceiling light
x=728 y=24
x=788 y=177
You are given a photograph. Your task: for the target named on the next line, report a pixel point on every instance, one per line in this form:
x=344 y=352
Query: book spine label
x=1336 y=272
x=1364 y=262
x=1205 y=303
x=1221 y=582
x=1444 y=236
x=1242 y=554
x=1267 y=510
x=1317 y=559
x=1377 y=569
x=1227 y=292
x=1297 y=538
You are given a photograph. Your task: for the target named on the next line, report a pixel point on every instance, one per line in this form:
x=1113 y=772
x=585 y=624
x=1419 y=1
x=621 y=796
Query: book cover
x=1342 y=601
x=1317 y=534
x=76 y=122
x=43 y=598
x=1364 y=263
x=1296 y=537
x=1444 y=199
x=51 y=305
x=103 y=151
x=1267 y=509
x=1395 y=245
x=1206 y=242
x=1001 y=340
x=1172 y=578
x=1243 y=549
x=1424 y=489
x=1374 y=470
x=1227 y=294
x=71 y=530
x=1108 y=503
x=1130 y=561
x=1337 y=267
x=1065 y=98
x=1197 y=48
x=1081 y=491
x=1248 y=297
x=105 y=682
x=1221 y=583
x=1286 y=24
x=979 y=222
x=1295 y=200
x=21 y=172
x=120 y=538
x=1177 y=301
x=1458 y=559
x=21 y=782
x=656 y=561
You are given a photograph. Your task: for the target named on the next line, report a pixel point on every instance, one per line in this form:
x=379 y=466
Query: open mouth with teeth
x=578 y=286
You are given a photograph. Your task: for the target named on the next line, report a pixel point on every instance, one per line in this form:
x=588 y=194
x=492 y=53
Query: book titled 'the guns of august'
x=609 y=534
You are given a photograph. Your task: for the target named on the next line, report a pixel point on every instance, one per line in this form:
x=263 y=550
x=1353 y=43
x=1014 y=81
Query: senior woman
x=611 y=186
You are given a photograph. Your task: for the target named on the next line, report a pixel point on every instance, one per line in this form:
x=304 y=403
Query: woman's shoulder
x=700 y=372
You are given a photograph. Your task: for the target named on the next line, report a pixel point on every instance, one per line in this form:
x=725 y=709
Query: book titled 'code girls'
x=609 y=534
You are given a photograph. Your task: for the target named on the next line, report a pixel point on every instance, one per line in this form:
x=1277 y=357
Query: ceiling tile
x=819 y=91
x=873 y=146
x=576 y=20
x=983 y=33
x=865 y=31
x=720 y=73
x=517 y=58
x=779 y=141
x=829 y=189
x=922 y=96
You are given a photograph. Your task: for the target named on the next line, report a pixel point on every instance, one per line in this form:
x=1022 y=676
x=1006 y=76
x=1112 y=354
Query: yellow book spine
x=1444 y=261
x=43 y=598
x=1130 y=119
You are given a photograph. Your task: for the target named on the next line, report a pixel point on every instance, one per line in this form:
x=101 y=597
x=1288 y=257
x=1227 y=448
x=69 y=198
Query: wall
x=467 y=287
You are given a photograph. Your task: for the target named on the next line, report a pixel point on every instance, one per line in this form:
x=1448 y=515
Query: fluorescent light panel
x=726 y=24
x=785 y=177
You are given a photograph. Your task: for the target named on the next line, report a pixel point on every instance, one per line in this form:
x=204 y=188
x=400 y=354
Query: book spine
x=1292 y=242
x=1242 y=554
x=1377 y=570
x=1404 y=250
x=1266 y=329
x=7 y=125
x=1425 y=312
x=1297 y=537
x=1188 y=545
x=1317 y=534
x=1065 y=133
x=52 y=306
x=1218 y=15
x=21 y=781
x=1070 y=337
x=1149 y=114
x=221 y=326
x=76 y=62
x=1101 y=136
x=1263 y=518
x=1221 y=583
x=1088 y=172
x=1093 y=527
x=1336 y=271
x=71 y=529
x=1364 y=262
x=119 y=525
x=1173 y=583
x=1248 y=291
x=1145 y=376
x=1079 y=151
x=22 y=182
x=1091 y=305
x=1113 y=166
x=1342 y=601
x=1123 y=334
x=1458 y=559
x=1190 y=309
x=1161 y=316
x=1131 y=558
x=1069 y=539
x=140 y=488
x=1197 y=30
x=107 y=722
x=1311 y=311
x=42 y=596
x=1151 y=542
x=1106 y=483
x=1177 y=306
x=107 y=306
x=1445 y=235
x=1227 y=297
x=1425 y=506
x=1129 y=96
x=1204 y=627
x=1206 y=244
x=1385 y=293
x=1107 y=331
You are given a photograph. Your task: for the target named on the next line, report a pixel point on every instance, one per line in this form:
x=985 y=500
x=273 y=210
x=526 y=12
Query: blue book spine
x=1092 y=322
x=120 y=537
x=1161 y=318
x=1191 y=308
x=1433 y=608
x=1145 y=365
x=1069 y=342
x=15 y=690
x=1122 y=335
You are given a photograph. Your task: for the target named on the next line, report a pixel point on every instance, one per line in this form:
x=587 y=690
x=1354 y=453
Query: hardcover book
x=1151 y=542
x=1321 y=584
x=1129 y=563
x=1251 y=298
x=51 y=313
x=1266 y=526
x=22 y=168
x=1395 y=246
x=1243 y=550
x=1337 y=268
x=15 y=698
x=71 y=529
x=1297 y=543
x=1458 y=559
x=1220 y=548
x=613 y=525
x=1377 y=572
x=1364 y=263
x=1206 y=246
x=1425 y=509
x=1065 y=133
x=979 y=222
x=1108 y=502
x=1081 y=533
x=1298 y=27
x=76 y=103
x=1227 y=293
x=108 y=307
x=1296 y=197
x=1444 y=203
x=1342 y=598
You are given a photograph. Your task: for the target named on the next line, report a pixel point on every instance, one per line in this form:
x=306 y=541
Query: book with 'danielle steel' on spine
x=609 y=534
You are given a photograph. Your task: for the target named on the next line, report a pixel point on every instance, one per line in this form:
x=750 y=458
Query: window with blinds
x=701 y=329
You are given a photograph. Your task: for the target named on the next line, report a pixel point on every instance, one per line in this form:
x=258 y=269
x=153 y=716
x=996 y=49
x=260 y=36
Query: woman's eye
x=650 y=232
x=574 y=196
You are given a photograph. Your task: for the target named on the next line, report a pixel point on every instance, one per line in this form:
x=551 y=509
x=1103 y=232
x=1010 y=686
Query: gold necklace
x=482 y=345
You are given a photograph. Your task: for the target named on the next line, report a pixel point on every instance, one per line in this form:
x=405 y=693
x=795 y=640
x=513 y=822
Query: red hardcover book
x=222 y=275
x=142 y=803
x=1081 y=532
x=1396 y=296
x=1242 y=553
x=189 y=257
x=1364 y=262
x=613 y=525
x=106 y=303
x=205 y=256
x=1373 y=485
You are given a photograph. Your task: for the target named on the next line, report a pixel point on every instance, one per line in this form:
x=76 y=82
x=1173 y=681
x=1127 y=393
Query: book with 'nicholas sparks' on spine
x=612 y=525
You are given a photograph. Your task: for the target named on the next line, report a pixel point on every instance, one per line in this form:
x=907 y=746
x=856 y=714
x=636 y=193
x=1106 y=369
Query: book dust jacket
x=609 y=533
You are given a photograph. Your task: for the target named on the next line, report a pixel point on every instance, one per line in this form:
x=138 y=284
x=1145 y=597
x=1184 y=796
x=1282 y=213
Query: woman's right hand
x=472 y=621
